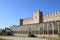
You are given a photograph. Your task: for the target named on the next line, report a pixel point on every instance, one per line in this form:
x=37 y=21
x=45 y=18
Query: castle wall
x=38 y=17
x=28 y=21
x=54 y=16
x=49 y=27
x=43 y=28
x=34 y=19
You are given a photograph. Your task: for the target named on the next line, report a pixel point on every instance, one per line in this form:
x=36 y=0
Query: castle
x=38 y=17
x=39 y=24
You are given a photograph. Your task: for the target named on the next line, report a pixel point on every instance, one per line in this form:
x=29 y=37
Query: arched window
x=55 y=27
x=45 y=28
x=37 y=27
x=33 y=29
x=50 y=28
x=41 y=28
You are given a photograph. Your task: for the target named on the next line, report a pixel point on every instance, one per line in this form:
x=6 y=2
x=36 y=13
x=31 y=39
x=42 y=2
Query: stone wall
x=54 y=16
x=37 y=18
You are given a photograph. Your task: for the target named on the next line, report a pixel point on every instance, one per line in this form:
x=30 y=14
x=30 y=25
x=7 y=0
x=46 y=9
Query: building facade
x=38 y=17
x=39 y=24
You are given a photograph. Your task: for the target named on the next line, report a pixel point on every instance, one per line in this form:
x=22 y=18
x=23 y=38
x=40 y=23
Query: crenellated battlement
x=38 y=17
x=51 y=14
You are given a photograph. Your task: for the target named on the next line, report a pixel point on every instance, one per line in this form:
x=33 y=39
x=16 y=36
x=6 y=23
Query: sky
x=13 y=10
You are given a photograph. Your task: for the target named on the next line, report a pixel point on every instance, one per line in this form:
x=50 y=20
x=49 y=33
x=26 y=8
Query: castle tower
x=38 y=16
x=21 y=22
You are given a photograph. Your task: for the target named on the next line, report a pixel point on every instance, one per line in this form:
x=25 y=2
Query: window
x=41 y=28
x=55 y=31
x=55 y=27
x=45 y=31
x=45 y=28
x=50 y=28
x=50 y=32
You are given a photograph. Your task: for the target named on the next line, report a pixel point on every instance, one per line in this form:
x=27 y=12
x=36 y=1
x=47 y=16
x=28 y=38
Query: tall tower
x=21 y=22
x=38 y=16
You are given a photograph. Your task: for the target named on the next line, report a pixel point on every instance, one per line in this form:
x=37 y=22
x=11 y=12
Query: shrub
x=31 y=35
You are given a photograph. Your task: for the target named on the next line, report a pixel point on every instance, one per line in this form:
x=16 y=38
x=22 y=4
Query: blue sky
x=12 y=10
